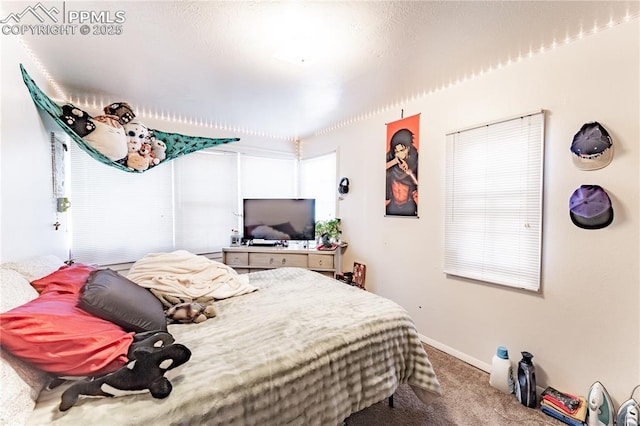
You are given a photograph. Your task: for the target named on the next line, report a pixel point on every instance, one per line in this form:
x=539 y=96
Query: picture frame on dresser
x=359 y=274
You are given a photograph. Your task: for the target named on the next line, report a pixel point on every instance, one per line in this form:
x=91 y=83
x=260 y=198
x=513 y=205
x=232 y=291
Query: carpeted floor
x=467 y=399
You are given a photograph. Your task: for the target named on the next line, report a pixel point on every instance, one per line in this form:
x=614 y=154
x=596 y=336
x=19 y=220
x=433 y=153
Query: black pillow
x=110 y=296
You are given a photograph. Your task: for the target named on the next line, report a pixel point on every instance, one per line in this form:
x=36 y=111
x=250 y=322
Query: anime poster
x=403 y=142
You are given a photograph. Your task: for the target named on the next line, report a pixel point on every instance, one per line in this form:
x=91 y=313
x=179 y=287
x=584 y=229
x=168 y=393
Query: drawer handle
x=284 y=261
x=271 y=261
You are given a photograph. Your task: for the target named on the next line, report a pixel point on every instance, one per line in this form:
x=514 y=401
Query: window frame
x=494 y=202
x=84 y=196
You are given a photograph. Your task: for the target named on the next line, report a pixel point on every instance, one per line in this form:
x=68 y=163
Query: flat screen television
x=278 y=219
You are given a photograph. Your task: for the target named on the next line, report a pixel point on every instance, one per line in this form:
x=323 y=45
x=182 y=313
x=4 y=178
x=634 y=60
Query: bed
x=303 y=349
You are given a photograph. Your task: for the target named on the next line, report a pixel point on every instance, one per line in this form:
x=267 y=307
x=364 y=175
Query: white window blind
x=493 y=216
x=318 y=180
x=264 y=177
x=118 y=216
x=191 y=203
x=206 y=194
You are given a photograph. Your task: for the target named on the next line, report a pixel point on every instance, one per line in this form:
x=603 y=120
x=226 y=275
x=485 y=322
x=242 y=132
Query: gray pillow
x=110 y=296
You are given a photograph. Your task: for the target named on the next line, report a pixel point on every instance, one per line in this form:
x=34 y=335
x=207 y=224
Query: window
x=265 y=177
x=206 y=193
x=190 y=203
x=318 y=180
x=118 y=216
x=493 y=206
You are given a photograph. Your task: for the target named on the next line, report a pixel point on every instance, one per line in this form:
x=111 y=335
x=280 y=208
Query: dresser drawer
x=239 y=259
x=277 y=260
x=252 y=259
x=320 y=261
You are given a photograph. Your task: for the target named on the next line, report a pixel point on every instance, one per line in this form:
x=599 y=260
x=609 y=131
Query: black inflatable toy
x=145 y=371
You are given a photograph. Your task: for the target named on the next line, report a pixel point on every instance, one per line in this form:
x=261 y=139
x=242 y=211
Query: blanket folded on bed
x=182 y=276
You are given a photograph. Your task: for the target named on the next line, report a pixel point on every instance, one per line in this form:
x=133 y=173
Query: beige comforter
x=181 y=276
x=303 y=350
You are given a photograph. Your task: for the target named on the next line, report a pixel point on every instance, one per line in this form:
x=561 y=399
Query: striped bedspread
x=302 y=350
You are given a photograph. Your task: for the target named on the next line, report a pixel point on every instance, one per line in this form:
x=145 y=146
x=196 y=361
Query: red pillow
x=53 y=334
x=67 y=279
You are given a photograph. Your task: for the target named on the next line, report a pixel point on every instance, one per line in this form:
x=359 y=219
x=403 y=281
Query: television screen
x=279 y=218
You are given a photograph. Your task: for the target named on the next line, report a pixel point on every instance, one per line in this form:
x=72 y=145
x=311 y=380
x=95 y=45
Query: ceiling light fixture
x=296 y=52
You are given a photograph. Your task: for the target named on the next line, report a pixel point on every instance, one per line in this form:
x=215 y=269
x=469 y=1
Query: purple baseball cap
x=590 y=207
x=592 y=147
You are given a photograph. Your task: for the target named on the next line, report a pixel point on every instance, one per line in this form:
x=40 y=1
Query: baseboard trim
x=455 y=353
x=466 y=358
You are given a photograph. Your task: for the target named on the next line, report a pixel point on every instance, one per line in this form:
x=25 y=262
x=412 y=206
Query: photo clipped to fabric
x=403 y=142
x=359 y=274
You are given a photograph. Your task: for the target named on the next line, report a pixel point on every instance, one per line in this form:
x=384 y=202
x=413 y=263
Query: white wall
x=27 y=206
x=585 y=324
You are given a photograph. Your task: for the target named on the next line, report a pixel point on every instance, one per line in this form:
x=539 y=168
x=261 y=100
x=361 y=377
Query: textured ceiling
x=217 y=62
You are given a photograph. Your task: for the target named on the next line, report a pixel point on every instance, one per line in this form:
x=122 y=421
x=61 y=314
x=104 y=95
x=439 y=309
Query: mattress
x=302 y=350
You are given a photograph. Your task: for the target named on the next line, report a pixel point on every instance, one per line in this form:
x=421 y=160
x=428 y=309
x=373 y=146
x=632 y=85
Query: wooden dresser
x=251 y=258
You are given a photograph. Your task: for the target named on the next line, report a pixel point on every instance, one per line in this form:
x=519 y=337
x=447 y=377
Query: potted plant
x=328 y=230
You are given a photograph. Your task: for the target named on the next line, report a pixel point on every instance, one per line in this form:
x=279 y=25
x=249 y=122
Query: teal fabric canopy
x=176 y=144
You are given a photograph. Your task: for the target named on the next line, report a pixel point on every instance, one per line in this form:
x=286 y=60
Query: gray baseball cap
x=590 y=207
x=592 y=147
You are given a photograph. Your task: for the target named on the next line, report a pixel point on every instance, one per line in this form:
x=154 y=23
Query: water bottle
x=501 y=376
x=526 y=386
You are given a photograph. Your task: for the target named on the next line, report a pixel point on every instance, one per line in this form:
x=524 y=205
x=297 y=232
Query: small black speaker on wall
x=343 y=186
